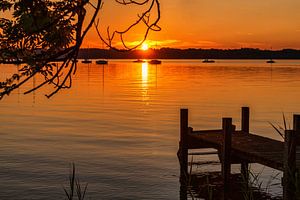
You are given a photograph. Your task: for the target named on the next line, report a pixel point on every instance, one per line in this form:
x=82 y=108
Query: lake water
x=120 y=123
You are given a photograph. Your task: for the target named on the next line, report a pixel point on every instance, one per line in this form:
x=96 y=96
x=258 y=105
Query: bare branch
x=143 y=18
x=54 y=29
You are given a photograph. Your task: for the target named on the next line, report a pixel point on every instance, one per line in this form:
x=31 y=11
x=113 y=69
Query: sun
x=145 y=47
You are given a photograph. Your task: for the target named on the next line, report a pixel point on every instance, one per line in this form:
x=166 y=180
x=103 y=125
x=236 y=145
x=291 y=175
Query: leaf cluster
x=38 y=32
x=43 y=31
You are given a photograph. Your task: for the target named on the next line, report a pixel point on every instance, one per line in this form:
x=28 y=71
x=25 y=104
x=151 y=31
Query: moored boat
x=270 y=61
x=154 y=62
x=101 y=62
x=208 y=61
x=86 y=61
x=139 y=61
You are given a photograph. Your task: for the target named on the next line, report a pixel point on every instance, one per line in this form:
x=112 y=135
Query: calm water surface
x=119 y=123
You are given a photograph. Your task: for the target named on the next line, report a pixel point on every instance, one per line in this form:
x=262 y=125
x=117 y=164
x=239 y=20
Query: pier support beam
x=226 y=154
x=245 y=118
x=289 y=172
x=183 y=153
x=289 y=165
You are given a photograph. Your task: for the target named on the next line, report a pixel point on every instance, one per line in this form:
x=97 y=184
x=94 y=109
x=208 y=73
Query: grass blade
x=284 y=121
x=277 y=130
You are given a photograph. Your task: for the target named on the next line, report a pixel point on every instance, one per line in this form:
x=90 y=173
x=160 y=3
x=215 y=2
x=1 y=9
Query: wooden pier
x=242 y=147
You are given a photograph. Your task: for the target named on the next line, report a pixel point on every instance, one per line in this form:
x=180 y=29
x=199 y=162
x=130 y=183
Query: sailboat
x=155 y=61
x=270 y=61
x=139 y=61
x=102 y=61
x=208 y=61
x=86 y=61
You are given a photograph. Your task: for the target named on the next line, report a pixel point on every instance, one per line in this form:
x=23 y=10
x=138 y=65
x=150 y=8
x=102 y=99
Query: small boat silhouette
x=154 y=62
x=85 y=61
x=208 y=61
x=270 y=61
x=101 y=62
x=139 y=61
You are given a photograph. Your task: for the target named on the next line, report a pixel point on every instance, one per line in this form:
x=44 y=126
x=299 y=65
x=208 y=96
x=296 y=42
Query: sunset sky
x=211 y=24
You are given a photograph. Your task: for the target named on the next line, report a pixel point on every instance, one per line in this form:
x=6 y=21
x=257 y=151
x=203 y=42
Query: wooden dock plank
x=243 y=147
x=248 y=147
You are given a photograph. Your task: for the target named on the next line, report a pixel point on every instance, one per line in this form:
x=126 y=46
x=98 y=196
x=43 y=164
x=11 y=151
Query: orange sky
x=212 y=24
x=209 y=24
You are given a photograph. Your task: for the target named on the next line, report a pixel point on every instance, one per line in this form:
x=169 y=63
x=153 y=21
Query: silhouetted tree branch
x=154 y=7
x=41 y=31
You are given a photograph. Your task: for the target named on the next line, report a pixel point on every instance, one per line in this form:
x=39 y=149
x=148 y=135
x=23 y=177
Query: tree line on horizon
x=191 y=53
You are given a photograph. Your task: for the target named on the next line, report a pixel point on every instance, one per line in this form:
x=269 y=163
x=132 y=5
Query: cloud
x=244 y=33
x=205 y=44
x=151 y=43
x=252 y=44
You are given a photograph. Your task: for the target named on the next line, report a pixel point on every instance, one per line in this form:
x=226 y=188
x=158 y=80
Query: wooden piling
x=245 y=128
x=296 y=123
x=296 y=128
x=289 y=172
x=289 y=165
x=226 y=154
x=183 y=146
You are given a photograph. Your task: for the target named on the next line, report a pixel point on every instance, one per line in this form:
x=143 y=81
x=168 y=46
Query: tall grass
x=281 y=131
x=75 y=187
x=253 y=184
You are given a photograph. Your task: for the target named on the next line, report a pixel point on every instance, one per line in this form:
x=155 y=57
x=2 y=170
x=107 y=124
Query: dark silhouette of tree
x=41 y=31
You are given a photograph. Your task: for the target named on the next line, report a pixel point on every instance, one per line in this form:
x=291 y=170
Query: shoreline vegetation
x=173 y=53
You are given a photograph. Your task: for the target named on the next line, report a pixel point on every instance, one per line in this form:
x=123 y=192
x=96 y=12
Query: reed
x=254 y=185
x=75 y=187
x=295 y=181
x=281 y=129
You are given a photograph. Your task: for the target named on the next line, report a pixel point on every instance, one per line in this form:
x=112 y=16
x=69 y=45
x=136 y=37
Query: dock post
x=245 y=128
x=297 y=153
x=289 y=165
x=226 y=151
x=296 y=123
x=183 y=153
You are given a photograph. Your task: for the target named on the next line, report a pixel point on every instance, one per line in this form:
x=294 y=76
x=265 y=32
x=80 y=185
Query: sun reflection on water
x=145 y=78
x=144 y=74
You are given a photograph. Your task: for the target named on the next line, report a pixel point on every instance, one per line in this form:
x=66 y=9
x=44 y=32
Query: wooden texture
x=183 y=150
x=289 y=165
x=226 y=154
x=249 y=147
x=298 y=157
x=183 y=153
x=244 y=147
x=296 y=127
x=245 y=124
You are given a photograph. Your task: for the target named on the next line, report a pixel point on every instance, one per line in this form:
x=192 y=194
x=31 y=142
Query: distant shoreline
x=184 y=54
x=130 y=59
x=170 y=53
